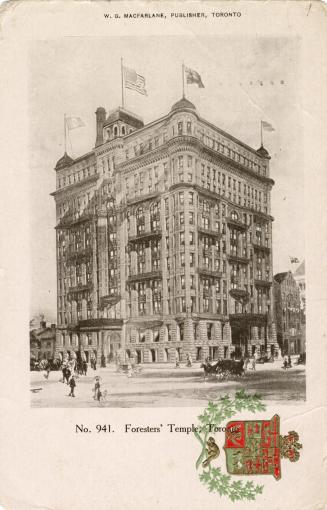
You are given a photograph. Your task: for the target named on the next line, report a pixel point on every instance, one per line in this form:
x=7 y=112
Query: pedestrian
x=48 y=369
x=289 y=362
x=246 y=362
x=94 y=364
x=97 y=389
x=85 y=367
x=254 y=360
x=177 y=363
x=285 y=362
x=72 y=384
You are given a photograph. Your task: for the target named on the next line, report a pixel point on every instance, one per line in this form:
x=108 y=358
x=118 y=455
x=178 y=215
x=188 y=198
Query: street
x=162 y=385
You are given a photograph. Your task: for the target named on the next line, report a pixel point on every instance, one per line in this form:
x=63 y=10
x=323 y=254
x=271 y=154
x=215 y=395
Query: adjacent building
x=164 y=242
x=299 y=277
x=43 y=341
x=288 y=316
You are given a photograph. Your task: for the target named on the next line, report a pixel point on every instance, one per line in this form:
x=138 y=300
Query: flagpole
x=122 y=83
x=261 y=136
x=183 y=79
x=65 y=133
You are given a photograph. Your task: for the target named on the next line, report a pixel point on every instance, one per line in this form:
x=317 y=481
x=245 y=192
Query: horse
x=224 y=368
x=209 y=369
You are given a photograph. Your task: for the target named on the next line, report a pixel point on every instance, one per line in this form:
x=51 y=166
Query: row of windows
x=76 y=176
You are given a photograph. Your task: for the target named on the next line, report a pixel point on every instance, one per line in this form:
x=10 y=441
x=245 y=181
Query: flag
x=193 y=77
x=265 y=125
x=74 y=122
x=134 y=81
x=294 y=260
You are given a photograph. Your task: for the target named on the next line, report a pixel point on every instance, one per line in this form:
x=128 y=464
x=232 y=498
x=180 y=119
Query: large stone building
x=288 y=316
x=164 y=241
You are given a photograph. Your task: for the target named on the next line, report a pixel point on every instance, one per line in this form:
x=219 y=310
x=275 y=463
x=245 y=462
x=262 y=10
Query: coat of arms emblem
x=255 y=447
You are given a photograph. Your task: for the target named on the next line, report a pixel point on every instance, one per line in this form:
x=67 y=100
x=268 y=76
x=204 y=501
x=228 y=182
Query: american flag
x=74 y=122
x=268 y=127
x=193 y=77
x=134 y=81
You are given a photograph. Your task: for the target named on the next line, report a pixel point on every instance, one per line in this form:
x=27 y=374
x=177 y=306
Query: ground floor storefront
x=167 y=340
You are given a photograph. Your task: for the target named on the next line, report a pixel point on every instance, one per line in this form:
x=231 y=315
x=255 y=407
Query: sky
x=246 y=80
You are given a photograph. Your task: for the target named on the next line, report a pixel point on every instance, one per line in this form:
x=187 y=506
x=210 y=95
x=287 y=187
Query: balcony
x=142 y=198
x=239 y=294
x=248 y=319
x=110 y=300
x=237 y=259
x=152 y=275
x=236 y=224
x=76 y=255
x=100 y=323
x=261 y=247
x=80 y=288
x=145 y=236
x=210 y=233
x=262 y=283
x=209 y=272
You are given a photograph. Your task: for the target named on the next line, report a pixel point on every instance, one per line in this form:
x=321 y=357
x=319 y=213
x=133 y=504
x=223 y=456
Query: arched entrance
x=139 y=356
x=110 y=345
x=199 y=353
x=153 y=355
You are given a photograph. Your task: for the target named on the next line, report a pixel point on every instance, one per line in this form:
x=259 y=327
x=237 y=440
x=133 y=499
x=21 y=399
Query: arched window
x=234 y=215
x=154 y=216
x=115 y=130
x=110 y=203
x=140 y=220
x=123 y=130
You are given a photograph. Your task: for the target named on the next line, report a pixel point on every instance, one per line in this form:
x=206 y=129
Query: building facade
x=164 y=242
x=299 y=277
x=288 y=315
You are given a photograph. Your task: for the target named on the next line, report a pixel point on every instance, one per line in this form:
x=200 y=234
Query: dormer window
x=123 y=130
x=115 y=131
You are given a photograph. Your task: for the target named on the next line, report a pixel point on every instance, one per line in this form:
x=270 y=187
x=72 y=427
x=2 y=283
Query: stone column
x=188 y=344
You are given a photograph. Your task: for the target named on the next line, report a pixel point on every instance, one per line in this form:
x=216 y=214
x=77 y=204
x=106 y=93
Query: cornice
x=75 y=188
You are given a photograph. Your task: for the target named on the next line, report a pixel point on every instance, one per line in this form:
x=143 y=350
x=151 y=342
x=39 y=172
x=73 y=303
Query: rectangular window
x=181 y=198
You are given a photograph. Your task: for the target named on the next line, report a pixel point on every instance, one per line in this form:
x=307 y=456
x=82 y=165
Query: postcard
x=163 y=274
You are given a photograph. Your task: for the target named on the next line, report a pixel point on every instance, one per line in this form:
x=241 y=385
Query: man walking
x=72 y=384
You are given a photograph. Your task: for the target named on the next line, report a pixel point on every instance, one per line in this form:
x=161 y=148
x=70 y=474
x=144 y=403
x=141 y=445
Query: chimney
x=43 y=324
x=53 y=326
x=100 y=120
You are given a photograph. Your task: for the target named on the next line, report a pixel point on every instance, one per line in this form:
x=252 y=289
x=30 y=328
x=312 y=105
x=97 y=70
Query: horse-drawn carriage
x=223 y=369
